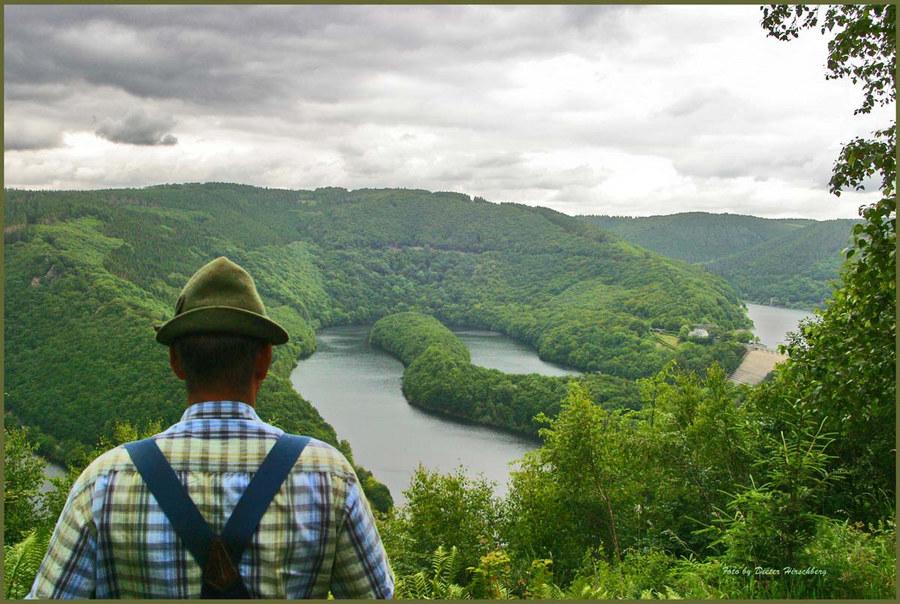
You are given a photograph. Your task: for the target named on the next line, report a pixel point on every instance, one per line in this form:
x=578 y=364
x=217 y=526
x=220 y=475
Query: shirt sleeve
x=361 y=568
x=68 y=568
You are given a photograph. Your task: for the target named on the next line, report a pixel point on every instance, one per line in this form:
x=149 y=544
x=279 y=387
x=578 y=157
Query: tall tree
x=23 y=476
x=843 y=364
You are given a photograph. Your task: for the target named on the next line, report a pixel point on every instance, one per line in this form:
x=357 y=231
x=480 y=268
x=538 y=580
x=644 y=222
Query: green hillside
x=87 y=274
x=791 y=260
x=697 y=236
x=79 y=348
x=797 y=270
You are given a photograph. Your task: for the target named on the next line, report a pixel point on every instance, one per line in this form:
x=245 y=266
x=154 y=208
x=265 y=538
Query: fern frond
x=549 y=591
x=21 y=562
x=444 y=566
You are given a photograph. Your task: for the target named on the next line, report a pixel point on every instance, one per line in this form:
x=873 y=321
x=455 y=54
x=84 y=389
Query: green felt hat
x=220 y=298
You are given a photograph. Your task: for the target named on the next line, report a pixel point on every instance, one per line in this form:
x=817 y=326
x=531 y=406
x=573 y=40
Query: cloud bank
x=587 y=109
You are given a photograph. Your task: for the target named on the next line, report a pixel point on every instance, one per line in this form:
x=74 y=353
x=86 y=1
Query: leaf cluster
x=863 y=47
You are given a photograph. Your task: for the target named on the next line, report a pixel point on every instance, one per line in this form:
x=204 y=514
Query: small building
x=698 y=332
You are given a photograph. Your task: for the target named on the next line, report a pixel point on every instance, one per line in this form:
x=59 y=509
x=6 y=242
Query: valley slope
x=788 y=262
x=88 y=274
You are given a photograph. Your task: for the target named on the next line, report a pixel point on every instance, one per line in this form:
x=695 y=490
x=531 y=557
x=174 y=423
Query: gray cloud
x=240 y=56
x=20 y=135
x=138 y=128
x=697 y=101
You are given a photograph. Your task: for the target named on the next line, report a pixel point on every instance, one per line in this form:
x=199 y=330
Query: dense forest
x=788 y=262
x=704 y=489
x=439 y=376
x=797 y=271
x=89 y=273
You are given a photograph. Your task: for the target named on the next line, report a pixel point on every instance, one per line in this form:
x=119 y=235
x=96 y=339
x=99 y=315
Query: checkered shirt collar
x=220 y=410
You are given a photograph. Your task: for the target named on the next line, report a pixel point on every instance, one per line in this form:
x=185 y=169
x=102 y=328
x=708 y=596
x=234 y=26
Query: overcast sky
x=632 y=110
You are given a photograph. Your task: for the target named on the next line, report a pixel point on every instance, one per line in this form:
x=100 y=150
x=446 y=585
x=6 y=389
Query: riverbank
x=357 y=389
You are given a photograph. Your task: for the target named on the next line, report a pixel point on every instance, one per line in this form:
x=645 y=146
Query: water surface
x=772 y=324
x=498 y=351
x=51 y=470
x=356 y=388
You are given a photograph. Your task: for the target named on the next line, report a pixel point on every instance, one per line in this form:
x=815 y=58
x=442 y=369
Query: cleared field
x=757 y=364
x=666 y=341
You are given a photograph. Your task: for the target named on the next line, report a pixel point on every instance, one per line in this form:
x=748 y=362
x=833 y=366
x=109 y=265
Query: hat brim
x=221 y=319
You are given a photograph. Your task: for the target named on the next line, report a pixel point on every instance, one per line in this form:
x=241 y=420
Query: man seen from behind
x=221 y=504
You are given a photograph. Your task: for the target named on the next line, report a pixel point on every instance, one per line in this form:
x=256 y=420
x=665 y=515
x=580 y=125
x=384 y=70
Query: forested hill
x=797 y=270
x=698 y=236
x=88 y=273
x=791 y=260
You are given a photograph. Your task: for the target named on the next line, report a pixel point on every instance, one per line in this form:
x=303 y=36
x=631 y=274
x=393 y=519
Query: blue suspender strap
x=186 y=518
x=172 y=497
x=259 y=493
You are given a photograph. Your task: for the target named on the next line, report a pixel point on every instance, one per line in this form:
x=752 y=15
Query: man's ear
x=263 y=361
x=175 y=363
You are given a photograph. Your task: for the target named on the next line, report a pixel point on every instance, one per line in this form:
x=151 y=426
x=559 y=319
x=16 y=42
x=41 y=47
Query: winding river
x=356 y=388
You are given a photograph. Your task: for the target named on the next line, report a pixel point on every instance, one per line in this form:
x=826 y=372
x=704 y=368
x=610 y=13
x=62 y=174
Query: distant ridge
x=789 y=262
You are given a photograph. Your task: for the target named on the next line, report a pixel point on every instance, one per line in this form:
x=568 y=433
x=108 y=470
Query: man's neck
x=221 y=395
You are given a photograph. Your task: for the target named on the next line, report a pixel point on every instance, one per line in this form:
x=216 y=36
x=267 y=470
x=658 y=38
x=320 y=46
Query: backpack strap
x=217 y=555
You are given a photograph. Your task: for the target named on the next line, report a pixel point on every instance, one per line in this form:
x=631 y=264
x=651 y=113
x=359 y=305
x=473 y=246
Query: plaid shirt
x=318 y=535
